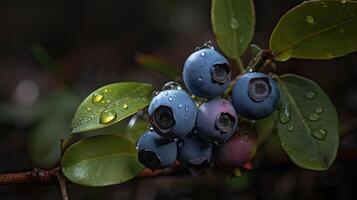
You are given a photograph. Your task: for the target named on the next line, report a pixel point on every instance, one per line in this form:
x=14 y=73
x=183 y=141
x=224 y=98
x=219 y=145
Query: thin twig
x=62 y=185
x=34 y=176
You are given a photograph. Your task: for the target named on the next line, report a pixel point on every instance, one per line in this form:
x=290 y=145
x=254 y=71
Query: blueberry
x=216 y=120
x=240 y=149
x=255 y=95
x=206 y=73
x=156 y=152
x=172 y=113
x=193 y=152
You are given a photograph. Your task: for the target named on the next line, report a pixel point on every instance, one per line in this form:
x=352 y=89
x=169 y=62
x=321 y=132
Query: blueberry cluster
x=187 y=131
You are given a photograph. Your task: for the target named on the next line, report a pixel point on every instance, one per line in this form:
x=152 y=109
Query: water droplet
x=310 y=95
x=314 y=117
x=285 y=55
x=171 y=85
x=319 y=110
x=89 y=109
x=105 y=90
x=170 y=99
x=180 y=105
x=107 y=116
x=155 y=93
x=186 y=117
x=97 y=98
x=343 y=1
x=186 y=108
x=310 y=19
x=285 y=113
x=200 y=79
x=320 y=134
x=291 y=128
x=234 y=23
x=203 y=54
x=124 y=105
x=108 y=101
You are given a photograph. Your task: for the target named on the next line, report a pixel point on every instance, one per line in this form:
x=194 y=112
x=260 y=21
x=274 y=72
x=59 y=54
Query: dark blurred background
x=54 y=53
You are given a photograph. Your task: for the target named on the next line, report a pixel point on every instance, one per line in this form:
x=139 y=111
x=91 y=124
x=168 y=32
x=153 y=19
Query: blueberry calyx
x=225 y=122
x=220 y=73
x=259 y=88
x=149 y=158
x=163 y=119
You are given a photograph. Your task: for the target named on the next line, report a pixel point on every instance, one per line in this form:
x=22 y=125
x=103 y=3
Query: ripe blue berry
x=156 y=152
x=172 y=113
x=193 y=152
x=216 y=120
x=255 y=95
x=240 y=149
x=206 y=73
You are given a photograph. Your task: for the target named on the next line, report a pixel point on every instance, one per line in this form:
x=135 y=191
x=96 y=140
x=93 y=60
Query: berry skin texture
x=216 y=120
x=237 y=151
x=156 y=152
x=255 y=95
x=172 y=113
x=206 y=73
x=193 y=152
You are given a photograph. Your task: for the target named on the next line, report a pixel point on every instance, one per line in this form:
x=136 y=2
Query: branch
x=34 y=176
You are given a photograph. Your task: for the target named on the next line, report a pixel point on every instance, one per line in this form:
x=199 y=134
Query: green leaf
x=307 y=123
x=100 y=161
x=44 y=141
x=157 y=64
x=110 y=104
x=316 y=30
x=233 y=24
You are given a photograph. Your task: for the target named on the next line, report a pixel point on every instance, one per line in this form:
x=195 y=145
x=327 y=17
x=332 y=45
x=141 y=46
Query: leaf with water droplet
x=100 y=161
x=284 y=113
x=97 y=98
x=107 y=116
x=313 y=30
x=124 y=99
x=310 y=95
x=233 y=22
x=307 y=141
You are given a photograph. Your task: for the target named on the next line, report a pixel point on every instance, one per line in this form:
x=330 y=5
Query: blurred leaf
x=307 y=123
x=100 y=161
x=265 y=128
x=44 y=144
x=43 y=57
x=233 y=23
x=110 y=104
x=316 y=30
x=158 y=65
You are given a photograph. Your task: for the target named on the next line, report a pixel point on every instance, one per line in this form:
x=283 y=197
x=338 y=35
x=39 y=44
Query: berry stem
x=240 y=65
